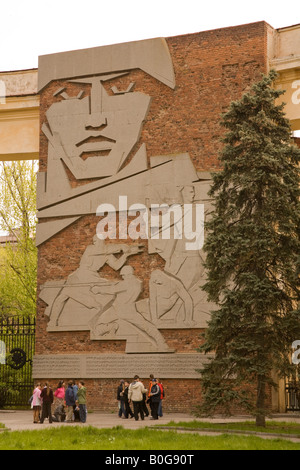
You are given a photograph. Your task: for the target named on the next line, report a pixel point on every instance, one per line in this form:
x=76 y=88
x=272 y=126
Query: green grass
x=272 y=427
x=118 y=438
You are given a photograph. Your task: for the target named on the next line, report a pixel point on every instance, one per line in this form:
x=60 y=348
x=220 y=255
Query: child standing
x=128 y=410
x=59 y=394
x=70 y=402
x=47 y=397
x=36 y=402
x=81 y=401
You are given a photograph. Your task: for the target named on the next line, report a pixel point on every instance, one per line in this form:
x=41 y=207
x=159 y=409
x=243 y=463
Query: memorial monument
x=129 y=136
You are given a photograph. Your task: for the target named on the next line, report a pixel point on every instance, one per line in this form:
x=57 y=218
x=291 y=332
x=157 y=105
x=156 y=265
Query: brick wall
x=211 y=68
x=180 y=396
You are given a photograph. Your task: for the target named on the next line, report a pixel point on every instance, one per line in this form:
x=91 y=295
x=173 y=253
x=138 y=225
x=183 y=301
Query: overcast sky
x=34 y=27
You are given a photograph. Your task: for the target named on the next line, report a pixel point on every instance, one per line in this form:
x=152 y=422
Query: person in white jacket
x=135 y=394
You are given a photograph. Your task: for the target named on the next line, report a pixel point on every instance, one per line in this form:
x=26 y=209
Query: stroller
x=59 y=414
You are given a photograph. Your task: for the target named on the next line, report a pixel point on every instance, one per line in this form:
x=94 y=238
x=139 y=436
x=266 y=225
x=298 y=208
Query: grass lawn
x=118 y=438
x=272 y=427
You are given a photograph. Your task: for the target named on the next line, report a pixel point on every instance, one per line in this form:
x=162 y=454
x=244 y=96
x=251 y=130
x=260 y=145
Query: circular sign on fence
x=17 y=358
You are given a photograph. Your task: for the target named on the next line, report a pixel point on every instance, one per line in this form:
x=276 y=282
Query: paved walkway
x=23 y=420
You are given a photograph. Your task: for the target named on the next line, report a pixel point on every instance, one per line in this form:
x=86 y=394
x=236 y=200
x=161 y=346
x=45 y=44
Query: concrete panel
x=86 y=366
x=151 y=55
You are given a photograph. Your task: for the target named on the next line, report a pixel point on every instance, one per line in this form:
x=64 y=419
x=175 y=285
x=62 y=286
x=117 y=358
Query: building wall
x=19 y=115
x=211 y=69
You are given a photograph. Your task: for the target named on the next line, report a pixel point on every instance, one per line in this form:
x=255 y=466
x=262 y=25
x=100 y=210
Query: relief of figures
x=92 y=135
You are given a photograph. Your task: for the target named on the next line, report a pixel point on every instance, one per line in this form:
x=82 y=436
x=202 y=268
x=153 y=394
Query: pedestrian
x=162 y=396
x=59 y=394
x=128 y=411
x=120 y=389
x=135 y=394
x=47 y=397
x=122 y=408
x=70 y=402
x=59 y=414
x=151 y=376
x=145 y=408
x=36 y=403
x=81 y=401
x=154 y=399
x=75 y=389
x=75 y=407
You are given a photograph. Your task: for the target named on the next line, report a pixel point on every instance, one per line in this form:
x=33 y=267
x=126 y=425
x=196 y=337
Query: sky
x=33 y=27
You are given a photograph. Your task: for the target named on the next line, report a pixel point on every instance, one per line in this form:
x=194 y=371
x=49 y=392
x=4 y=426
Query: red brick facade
x=211 y=69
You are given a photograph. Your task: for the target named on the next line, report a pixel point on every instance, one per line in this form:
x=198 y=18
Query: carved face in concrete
x=105 y=124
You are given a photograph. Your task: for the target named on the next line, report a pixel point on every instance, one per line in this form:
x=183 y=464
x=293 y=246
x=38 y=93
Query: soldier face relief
x=105 y=123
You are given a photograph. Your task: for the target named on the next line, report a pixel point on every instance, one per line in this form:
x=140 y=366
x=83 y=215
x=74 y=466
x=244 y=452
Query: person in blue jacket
x=70 y=402
x=154 y=399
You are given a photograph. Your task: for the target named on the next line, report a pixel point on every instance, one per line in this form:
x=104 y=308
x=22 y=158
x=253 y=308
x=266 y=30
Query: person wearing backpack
x=70 y=402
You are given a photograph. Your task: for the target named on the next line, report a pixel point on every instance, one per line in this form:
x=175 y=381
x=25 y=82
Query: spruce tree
x=252 y=256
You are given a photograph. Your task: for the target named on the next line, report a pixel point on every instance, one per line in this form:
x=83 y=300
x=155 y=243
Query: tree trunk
x=260 y=402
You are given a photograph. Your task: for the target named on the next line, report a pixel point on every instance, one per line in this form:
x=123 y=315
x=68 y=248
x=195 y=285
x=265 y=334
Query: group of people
x=136 y=394
x=65 y=404
x=68 y=403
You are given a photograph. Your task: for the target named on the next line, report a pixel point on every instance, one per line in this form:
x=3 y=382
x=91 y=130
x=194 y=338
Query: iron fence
x=292 y=390
x=17 y=341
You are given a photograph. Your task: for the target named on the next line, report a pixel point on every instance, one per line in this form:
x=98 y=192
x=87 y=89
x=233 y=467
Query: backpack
x=162 y=389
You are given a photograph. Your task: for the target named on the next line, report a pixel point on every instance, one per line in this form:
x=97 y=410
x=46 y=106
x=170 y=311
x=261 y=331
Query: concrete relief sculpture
x=75 y=303
x=122 y=320
x=92 y=135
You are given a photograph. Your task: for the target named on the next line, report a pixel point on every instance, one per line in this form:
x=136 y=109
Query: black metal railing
x=17 y=344
x=292 y=394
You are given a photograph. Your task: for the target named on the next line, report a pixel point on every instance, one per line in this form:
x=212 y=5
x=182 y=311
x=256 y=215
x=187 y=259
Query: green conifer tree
x=252 y=251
